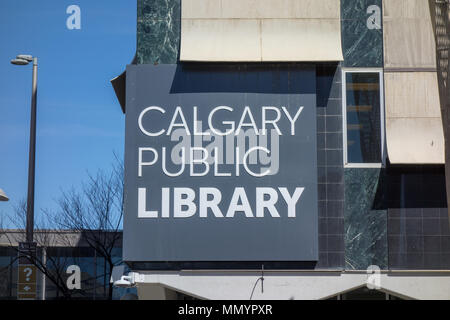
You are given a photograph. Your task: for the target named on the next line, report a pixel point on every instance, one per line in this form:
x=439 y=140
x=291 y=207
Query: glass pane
x=363 y=117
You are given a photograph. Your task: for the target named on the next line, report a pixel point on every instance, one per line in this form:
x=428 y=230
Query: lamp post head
x=3 y=196
x=20 y=62
x=26 y=57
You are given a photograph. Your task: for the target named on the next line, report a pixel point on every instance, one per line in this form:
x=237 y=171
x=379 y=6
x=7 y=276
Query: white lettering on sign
x=226 y=148
x=247 y=120
x=183 y=202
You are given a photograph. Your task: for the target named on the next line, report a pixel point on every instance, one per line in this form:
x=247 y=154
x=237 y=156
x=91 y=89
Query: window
x=363 y=117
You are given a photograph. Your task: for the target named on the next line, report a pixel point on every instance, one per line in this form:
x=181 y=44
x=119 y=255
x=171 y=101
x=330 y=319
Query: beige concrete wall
x=408 y=34
x=260 y=30
x=414 y=129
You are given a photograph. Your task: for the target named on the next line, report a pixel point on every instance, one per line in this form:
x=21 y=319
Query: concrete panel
x=415 y=140
x=408 y=34
x=260 y=30
x=301 y=40
x=281 y=9
x=195 y=9
x=412 y=95
x=260 y=9
x=409 y=43
x=220 y=40
x=411 y=9
x=414 y=129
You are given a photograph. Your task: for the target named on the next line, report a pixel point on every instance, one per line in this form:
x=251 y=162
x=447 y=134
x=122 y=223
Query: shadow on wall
x=267 y=78
x=411 y=187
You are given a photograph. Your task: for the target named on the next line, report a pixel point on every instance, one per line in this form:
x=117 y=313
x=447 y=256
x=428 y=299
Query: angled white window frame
x=380 y=71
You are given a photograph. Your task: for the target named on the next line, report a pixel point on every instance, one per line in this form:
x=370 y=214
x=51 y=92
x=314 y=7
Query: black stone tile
x=412 y=213
x=336 y=259
x=335 y=91
x=445 y=261
x=322 y=174
x=321 y=141
x=335 y=175
x=322 y=188
x=397 y=261
x=323 y=243
x=334 y=158
x=335 y=226
x=320 y=110
x=445 y=244
x=394 y=226
x=431 y=227
x=414 y=244
x=320 y=124
x=394 y=213
x=323 y=261
x=322 y=209
x=445 y=228
x=431 y=213
x=321 y=158
x=335 y=191
x=334 y=107
x=397 y=244
x=413 y=226
x=431 y=244
x=333 y=141
x=324 y=86
x=323 y=227
x=336 y=243
x=335 y=209
x=333 y=124
x=443 y=212
x=415 y=261
x=432 y=261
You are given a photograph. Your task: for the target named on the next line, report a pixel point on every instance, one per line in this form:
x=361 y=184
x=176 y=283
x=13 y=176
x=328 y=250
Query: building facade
x=380 y=207
x=56 y=252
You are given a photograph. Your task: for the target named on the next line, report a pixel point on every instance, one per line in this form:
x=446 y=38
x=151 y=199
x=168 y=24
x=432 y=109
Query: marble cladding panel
x=365 y=225
x=362 y=46
x=158 y=31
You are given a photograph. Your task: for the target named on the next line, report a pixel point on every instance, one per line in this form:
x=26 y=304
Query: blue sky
x=79 y=122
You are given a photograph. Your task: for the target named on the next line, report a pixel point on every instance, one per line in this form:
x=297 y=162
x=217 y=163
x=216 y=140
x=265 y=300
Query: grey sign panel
x=220 y=163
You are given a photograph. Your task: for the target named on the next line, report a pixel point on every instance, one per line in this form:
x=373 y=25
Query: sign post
x=26 y=282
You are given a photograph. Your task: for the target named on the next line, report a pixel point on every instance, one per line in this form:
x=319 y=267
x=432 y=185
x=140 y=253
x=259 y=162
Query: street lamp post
x=26 y=285
x=25 y=60
x=3 y=196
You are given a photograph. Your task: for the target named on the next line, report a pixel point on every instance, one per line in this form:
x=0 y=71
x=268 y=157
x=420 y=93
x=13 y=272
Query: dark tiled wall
x=330 y=167
x=418 y=225
x=419 y=238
